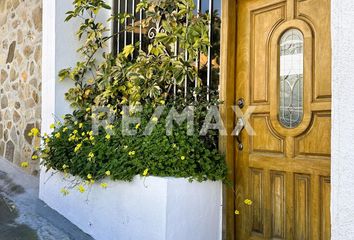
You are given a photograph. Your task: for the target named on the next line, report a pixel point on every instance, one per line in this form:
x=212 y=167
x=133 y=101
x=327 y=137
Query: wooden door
x=283 y=70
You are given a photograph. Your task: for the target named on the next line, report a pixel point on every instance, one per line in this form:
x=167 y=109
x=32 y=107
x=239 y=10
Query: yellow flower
x=125 y=147
x=88 y=109
x=65 y=129
x=174 y=145
x=183 y=157
x=237 y=212
x=108 y=136
x=47 y=140
x=52 y=126
x=92 y=138
x=36 y=148
x=104 y=185
x=65 y=166
x=76 y=122
x=108 y=173
x=162 y=102
x=77 y=148
x=24 y=164
x=110 y=126
x=90 y=133
x=75 y=131
x=91 y=155
x=89 y=176
x=57 y=135
x=64 y=191
x=92 y=181
x=248 y=202
x=137 y=126
x=122 y=113
x=154 y=119
x=81 y=125
x=34 y=157
x=34 y=132
x=146 y=172
x=81 y=189
x=131 y=153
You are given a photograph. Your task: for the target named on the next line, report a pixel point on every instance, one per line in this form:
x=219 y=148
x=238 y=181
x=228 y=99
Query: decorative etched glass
x=291 y=78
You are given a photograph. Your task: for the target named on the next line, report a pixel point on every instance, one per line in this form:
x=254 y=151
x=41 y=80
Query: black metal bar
x=140 y=28
x=197 y=61
x=125 y=22
x=115 y=29
x=133 y=23
x=209 y=73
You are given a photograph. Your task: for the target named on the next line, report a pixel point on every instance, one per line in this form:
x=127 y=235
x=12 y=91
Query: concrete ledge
x=150 y=208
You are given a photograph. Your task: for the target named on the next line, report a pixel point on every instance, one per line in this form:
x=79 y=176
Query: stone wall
x=20 y=79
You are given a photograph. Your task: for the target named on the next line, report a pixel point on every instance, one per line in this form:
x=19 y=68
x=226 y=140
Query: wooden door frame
x=227 y=95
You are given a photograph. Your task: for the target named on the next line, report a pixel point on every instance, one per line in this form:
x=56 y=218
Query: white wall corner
x=59 y=51
x=342 y=162
x=48 y=64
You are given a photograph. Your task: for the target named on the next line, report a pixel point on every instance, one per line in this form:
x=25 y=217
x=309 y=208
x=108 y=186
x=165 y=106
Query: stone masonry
x=20 y=79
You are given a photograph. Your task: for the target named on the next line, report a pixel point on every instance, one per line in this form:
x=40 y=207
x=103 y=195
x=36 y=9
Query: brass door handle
x=240 y=125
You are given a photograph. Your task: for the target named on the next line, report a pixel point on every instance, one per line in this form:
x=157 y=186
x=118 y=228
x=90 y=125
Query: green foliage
x=135 y=77
x=73 y=148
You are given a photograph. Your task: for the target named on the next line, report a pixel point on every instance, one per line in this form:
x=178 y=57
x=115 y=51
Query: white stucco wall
x=149 y=208
x=59 y=51
x=342 y=180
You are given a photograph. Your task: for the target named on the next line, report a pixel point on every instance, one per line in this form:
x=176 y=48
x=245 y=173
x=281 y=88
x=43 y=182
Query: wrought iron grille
x=131 y=32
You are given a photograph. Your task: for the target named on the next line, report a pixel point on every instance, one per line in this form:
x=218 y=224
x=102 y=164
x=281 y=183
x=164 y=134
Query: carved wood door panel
x=283 y=71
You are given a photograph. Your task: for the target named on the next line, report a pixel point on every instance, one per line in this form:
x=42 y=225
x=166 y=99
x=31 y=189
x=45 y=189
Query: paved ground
x=23 y=216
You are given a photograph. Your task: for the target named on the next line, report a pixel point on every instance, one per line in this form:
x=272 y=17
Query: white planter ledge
x=153 y=208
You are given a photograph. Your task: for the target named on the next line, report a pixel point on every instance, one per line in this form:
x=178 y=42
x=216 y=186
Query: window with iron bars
x=131 y=32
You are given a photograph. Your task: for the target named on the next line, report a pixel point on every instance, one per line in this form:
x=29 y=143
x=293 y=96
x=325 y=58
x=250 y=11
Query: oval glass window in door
x=291 y=78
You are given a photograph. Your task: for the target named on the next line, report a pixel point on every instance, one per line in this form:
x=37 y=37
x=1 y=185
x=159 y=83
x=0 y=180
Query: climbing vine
x=140 y=78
